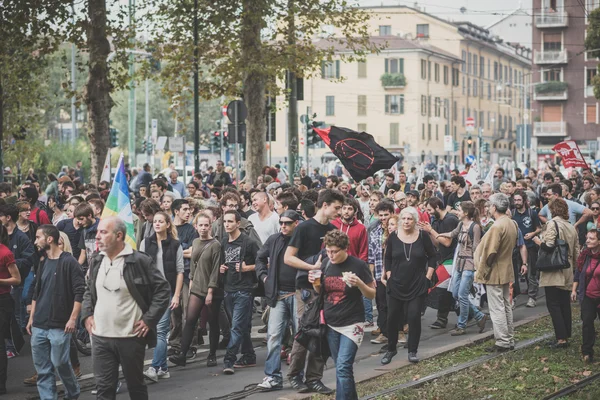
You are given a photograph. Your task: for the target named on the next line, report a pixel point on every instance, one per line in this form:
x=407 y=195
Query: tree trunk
x=1 y=132
x=98 y=87
x=254 y=87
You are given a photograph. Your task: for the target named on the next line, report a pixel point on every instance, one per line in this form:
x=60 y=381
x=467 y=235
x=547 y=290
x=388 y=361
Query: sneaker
x=269 y=383
x=387 y=358
x=458 y=332
x=402 y=338
x=481 y=323
x=412 y=357
x=151 y=374
x=119 y=384
x=163 y=374
x=376 y=332
x=298 y=384
x=319 y=387
x=172 y=351
x=379 y=340
x=262 y=330
x=513 y=304
x=245 y=362
x=30 y=381
x=77 y=371
x=497 y=349
x=369 y=324
x=438 y=324
x=587 y=359
x=211 y=361
x=228 y=370
x=178 y=359
x=530 y=303
x=191 y=354
x=11 y=354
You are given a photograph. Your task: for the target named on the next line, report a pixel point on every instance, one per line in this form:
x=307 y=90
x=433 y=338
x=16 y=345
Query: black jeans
x=445 y=303
x=381 y=301
x=589 y=312
x=559 y=307
x=6 y=307
x=400 y=312
x=107 y=354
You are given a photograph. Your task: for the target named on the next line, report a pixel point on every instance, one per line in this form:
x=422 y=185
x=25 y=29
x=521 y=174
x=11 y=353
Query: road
x=197 y=381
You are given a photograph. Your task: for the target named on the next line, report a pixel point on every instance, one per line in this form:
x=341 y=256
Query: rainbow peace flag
x=118 y=202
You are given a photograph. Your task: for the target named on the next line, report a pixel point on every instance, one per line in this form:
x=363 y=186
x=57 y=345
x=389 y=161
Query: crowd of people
x=309 y=252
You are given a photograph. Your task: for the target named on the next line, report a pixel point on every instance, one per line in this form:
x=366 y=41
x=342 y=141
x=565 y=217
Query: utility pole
x=147 y=132
x=293 y=98
x=196 y=100
x=73 y=86
x=132 y=110
x=308 y=120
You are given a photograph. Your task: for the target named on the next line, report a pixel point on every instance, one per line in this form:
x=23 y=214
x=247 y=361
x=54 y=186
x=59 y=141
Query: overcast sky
x=480 y=12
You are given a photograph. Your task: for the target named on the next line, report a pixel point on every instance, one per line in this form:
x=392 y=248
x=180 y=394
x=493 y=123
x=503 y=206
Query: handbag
x=555 y=259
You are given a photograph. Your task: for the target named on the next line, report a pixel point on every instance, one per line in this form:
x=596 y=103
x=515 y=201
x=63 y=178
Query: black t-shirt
x=308 y=239
x=74 y=235
x=286 y=276
x=528 y=222
x=234 y=280
x=43 y=304
x=343 y=304
x=454 y=201
x=446 y=225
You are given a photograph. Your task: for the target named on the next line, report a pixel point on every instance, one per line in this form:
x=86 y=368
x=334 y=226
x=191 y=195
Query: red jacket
x=359 y=243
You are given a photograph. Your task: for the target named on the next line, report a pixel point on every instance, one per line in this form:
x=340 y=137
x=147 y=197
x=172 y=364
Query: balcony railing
x=548 y=19
x=550 y=57
x=551 y=90
x=550 y=128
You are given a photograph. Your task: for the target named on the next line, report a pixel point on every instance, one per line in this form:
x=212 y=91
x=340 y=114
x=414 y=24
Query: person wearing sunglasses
x=593 y=223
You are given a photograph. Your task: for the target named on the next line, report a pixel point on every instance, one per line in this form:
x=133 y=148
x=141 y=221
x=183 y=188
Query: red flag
x=570 y=154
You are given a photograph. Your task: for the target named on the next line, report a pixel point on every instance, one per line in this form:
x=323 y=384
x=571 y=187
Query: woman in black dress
x=409 y=263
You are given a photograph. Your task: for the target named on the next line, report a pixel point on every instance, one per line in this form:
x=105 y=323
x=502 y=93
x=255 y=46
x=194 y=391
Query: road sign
x=176 y=144
x=448 y=143
x=470 y=159
x=242 y=111
x=598 y=163
x=161 y=142
x=470 y=124
x=224 y=110
x=154 y=129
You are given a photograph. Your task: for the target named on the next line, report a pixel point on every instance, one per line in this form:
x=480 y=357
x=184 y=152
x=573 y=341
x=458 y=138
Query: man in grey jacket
x=123 y=303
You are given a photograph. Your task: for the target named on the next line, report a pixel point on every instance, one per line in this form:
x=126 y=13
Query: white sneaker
x=151 y=374
x=531 y=303
x=119 y=384
x=163 y=374
x=269 y=383
x=513 y=304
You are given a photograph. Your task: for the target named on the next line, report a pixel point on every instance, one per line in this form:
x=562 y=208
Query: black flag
x=358 y=151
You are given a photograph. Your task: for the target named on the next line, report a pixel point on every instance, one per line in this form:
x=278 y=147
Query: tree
x=247 y=46
x=592 y=45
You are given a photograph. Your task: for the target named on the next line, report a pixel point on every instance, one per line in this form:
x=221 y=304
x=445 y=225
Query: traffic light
x=226 y=139
x=469 y=140
x=312 y=136
x=114 y=137
x=217 y=141
x=455 y=145
x=486 y=147
x=144 y=147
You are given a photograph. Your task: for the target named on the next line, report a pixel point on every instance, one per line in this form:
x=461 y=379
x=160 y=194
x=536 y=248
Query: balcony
x=550 y=57
x=550 y=128
x=558 y=19
x=552 y=90
x=393 y=81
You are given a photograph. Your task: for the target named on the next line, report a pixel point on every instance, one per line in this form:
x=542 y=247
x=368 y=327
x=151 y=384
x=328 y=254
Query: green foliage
x=551 y=87
x=592 y=44
x=388 y=80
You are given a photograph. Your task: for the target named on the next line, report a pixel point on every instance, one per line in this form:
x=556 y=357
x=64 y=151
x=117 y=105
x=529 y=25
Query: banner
x=570 y=154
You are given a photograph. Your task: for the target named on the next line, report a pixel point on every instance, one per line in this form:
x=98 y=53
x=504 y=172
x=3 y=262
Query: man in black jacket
x=54 y=310
x=125 y=299
x=280 y=290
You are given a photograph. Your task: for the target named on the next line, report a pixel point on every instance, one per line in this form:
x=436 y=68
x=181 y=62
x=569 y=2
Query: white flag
x=490 y=176
x=106 y=171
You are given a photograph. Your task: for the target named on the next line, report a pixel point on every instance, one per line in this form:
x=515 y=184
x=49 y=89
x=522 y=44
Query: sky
x=480 y=12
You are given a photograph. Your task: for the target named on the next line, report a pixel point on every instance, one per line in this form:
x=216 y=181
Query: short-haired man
x=239 y=258
x=458 y=186
x=331 y=182
x=84 y=214
x=231 y=201
x=389 y=184
x=494 y=268
x=97 y=206
x=499 y=178
x=475 y=193
x=177 y=186
x=219 y=175
x=280 y=289
x=486 y=191
x=55 y=307
x=264 y=221
x=125 y=299
x=307 y=241
x=304 y=178
x=364 y=192
x=578 y=214
x=286 y=201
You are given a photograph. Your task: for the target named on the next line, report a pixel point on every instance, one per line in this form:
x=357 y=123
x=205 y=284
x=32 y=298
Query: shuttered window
x=394 y=133
x=362 y=105
x=552 y=113
x=590 y=113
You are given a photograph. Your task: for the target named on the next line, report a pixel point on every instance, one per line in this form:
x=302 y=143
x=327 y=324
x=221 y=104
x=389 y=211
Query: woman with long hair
x=593 y=222
x=58 y=213
x=167 y=253
x=485 y=220
x=558 y=283
x=586 y=289
x=409 y=263
x=9 y=276
x=469 y=234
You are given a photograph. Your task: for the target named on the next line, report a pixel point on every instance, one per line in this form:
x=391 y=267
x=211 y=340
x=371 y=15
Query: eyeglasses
x=287 y=223
x=108 y=270
x=595 y=208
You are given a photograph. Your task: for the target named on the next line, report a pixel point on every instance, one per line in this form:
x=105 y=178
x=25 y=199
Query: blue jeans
x=368 y=303
x=50 y=351
x=239 y=305
x=463 y=281
x=159 y=360
x=280 y=317
x=343 y=351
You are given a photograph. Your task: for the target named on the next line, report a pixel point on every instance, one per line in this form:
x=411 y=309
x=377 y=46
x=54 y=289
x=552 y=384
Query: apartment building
x=564 y=106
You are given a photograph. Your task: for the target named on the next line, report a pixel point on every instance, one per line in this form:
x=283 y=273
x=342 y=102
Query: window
x=500 y=72
x=488 y=120
x=429 y=70
x=552 y=75
x=422 y=30
x=509 y=77
x=454 y=110
x=362 y=69
x=489 y=91
x=481 y=120
x=489 y=69
x=455 y=77
x=445 y=74
x=394 y=65
x=590 y=113
x=437 y=136
x=423 y=105
x=590 y=73
x=482 y=67
x=394 y=104
x=474 y=87
x=469 y=63
x=464 y=87
x=552 y=42
x=429 y=106
x=463 y=115
x=495 y=71
x=330 y=70
x=361 y=127
x=423 y=69
x=446 y=108
x=468 y=86
x=362 y=105
x=329 y=105
x=437 y=107
x=385 y=30
x=475 y=70
x=475 y=117
x=464 y=61
x=394 y=134
x=436 y=72
x=423 y=131
x=510 y=122
x=428 y=132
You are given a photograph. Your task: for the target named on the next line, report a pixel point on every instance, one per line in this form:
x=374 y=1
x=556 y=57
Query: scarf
x=583 y=255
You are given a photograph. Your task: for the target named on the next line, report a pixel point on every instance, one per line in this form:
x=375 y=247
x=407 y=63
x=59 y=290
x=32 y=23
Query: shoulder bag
x=556 y=258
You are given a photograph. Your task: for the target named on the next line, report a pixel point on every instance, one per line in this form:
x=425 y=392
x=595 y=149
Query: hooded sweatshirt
x=359 y=243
